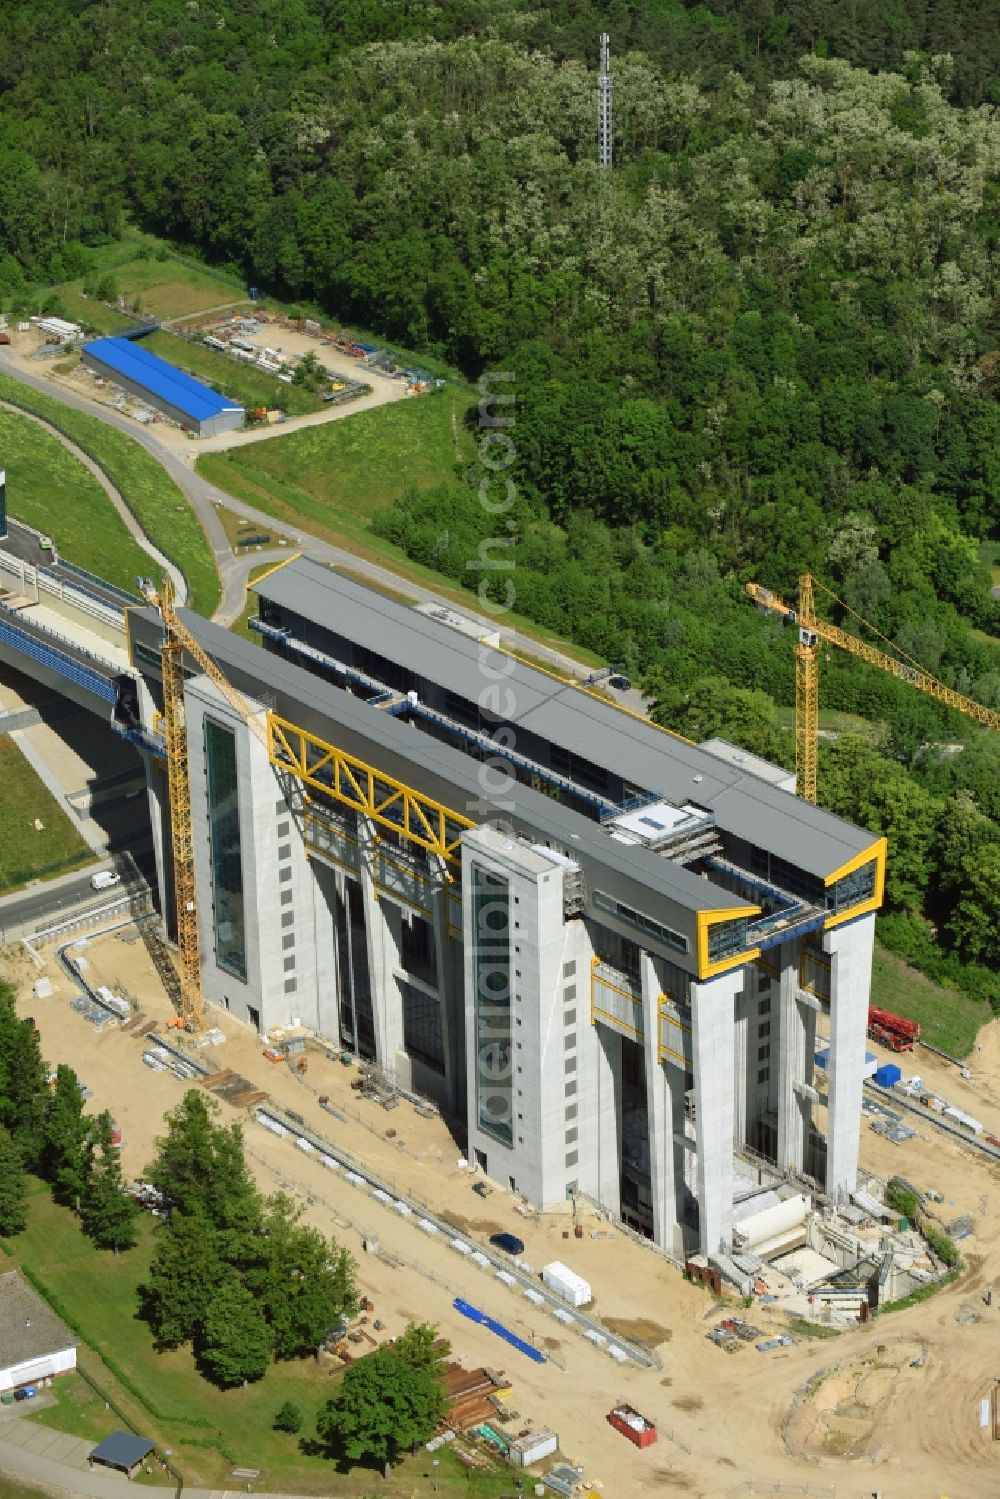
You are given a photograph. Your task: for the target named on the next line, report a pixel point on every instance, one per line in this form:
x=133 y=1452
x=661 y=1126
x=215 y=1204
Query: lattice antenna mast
x=604 y=82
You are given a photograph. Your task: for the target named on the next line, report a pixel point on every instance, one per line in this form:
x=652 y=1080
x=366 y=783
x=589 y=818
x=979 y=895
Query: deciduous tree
x=385 y=1405
x=108 y=1214
x=233 y=1344
x=13 y=1188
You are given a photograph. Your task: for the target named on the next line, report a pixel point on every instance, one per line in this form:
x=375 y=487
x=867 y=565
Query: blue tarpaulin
x=475 y=1315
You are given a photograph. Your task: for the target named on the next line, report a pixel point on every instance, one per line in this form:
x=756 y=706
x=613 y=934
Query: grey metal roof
x=29 y=1328
x=745 y=805
x=121 y=1450
x=439 y=771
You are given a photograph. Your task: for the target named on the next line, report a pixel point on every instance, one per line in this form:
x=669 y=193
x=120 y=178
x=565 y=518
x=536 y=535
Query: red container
x=627 y=1420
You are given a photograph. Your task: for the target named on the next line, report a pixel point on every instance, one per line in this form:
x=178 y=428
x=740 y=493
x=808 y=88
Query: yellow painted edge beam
x=252 y=583
x=876 y=851
x=313 y=852
x=616 y=1020
x=668 y=1051
x=725 y=964
x=706 y=919
x=852 y=913
x=411 y=874
x=625 y=994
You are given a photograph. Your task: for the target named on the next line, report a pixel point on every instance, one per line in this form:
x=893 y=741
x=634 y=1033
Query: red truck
x=892 y=1030
x=627 y=1420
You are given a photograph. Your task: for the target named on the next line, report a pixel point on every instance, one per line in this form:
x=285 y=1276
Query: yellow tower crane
x=811 y=631
x=178 y=640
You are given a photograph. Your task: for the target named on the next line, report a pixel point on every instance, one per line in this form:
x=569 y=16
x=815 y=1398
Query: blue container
x=888 y=1074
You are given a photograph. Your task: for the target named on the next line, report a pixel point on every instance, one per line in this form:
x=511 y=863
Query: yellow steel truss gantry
x=362 y=787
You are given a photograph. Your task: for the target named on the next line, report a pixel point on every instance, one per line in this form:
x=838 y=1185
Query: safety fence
x=128 y=1424
x=779 y=1486
x=128 y=600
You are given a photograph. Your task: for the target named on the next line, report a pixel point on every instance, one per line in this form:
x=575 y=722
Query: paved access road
x=72 y=894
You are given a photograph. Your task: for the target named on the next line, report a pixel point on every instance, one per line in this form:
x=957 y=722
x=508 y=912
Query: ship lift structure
x=812 y=630
x=293 y=752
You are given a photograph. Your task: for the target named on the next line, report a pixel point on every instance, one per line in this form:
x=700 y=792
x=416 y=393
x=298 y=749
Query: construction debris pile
x=732 y=1334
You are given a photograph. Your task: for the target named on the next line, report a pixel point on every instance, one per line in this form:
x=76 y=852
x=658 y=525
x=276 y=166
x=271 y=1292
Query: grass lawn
x=247 y=386
x=948 y=1018
x=27 y=853
x=829 y=718
x=241 y=626
x=13 y=1488
x=91 y=313
x=50 y=489
x=339 y=525
x=78 y=1410
x=235 y=526
x=209 y=1430
x=330 y=480
x=167 y=285
x=334 y=477
x=989 y=555
x=160 y=507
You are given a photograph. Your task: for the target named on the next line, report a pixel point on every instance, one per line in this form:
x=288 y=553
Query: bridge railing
x=89 y=678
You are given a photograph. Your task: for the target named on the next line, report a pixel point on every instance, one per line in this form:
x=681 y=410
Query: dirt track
x=915 y=1431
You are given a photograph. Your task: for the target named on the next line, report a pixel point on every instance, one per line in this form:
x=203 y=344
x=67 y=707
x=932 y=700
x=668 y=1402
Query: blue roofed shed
x=162 y=385
x=122 y=1450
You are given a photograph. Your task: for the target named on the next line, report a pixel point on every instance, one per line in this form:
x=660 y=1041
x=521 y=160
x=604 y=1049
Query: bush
x=944 y=1247
x=901 y=1200
x=289 y=1418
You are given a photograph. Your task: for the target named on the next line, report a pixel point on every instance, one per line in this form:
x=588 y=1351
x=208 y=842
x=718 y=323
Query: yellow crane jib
x=811 y=631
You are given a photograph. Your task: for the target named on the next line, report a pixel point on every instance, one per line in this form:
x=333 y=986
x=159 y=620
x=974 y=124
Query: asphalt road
x=73 y=894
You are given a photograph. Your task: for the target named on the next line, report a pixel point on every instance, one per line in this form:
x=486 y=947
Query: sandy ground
x=722 y=1418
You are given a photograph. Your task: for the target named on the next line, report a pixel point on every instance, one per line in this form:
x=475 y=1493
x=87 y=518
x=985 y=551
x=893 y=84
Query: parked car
x=509 y=1243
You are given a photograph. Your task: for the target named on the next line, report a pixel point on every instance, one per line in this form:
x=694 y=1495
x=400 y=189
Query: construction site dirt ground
x=906 y=1430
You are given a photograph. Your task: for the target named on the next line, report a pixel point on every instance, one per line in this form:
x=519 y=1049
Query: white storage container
x=567 y=1284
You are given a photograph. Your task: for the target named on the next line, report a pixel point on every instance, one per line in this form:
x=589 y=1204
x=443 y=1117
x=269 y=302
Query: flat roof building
x=35 y=1344
x=186 y=401
x=602 y=946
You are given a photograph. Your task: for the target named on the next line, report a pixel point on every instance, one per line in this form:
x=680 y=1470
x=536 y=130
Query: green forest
x=765 y=342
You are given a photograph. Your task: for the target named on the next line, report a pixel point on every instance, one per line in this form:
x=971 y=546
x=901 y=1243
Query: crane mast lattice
x=811 y=631
x=178 y=641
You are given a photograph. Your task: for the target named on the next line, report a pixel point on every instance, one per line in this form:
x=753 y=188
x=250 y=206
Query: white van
x=104 y=880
